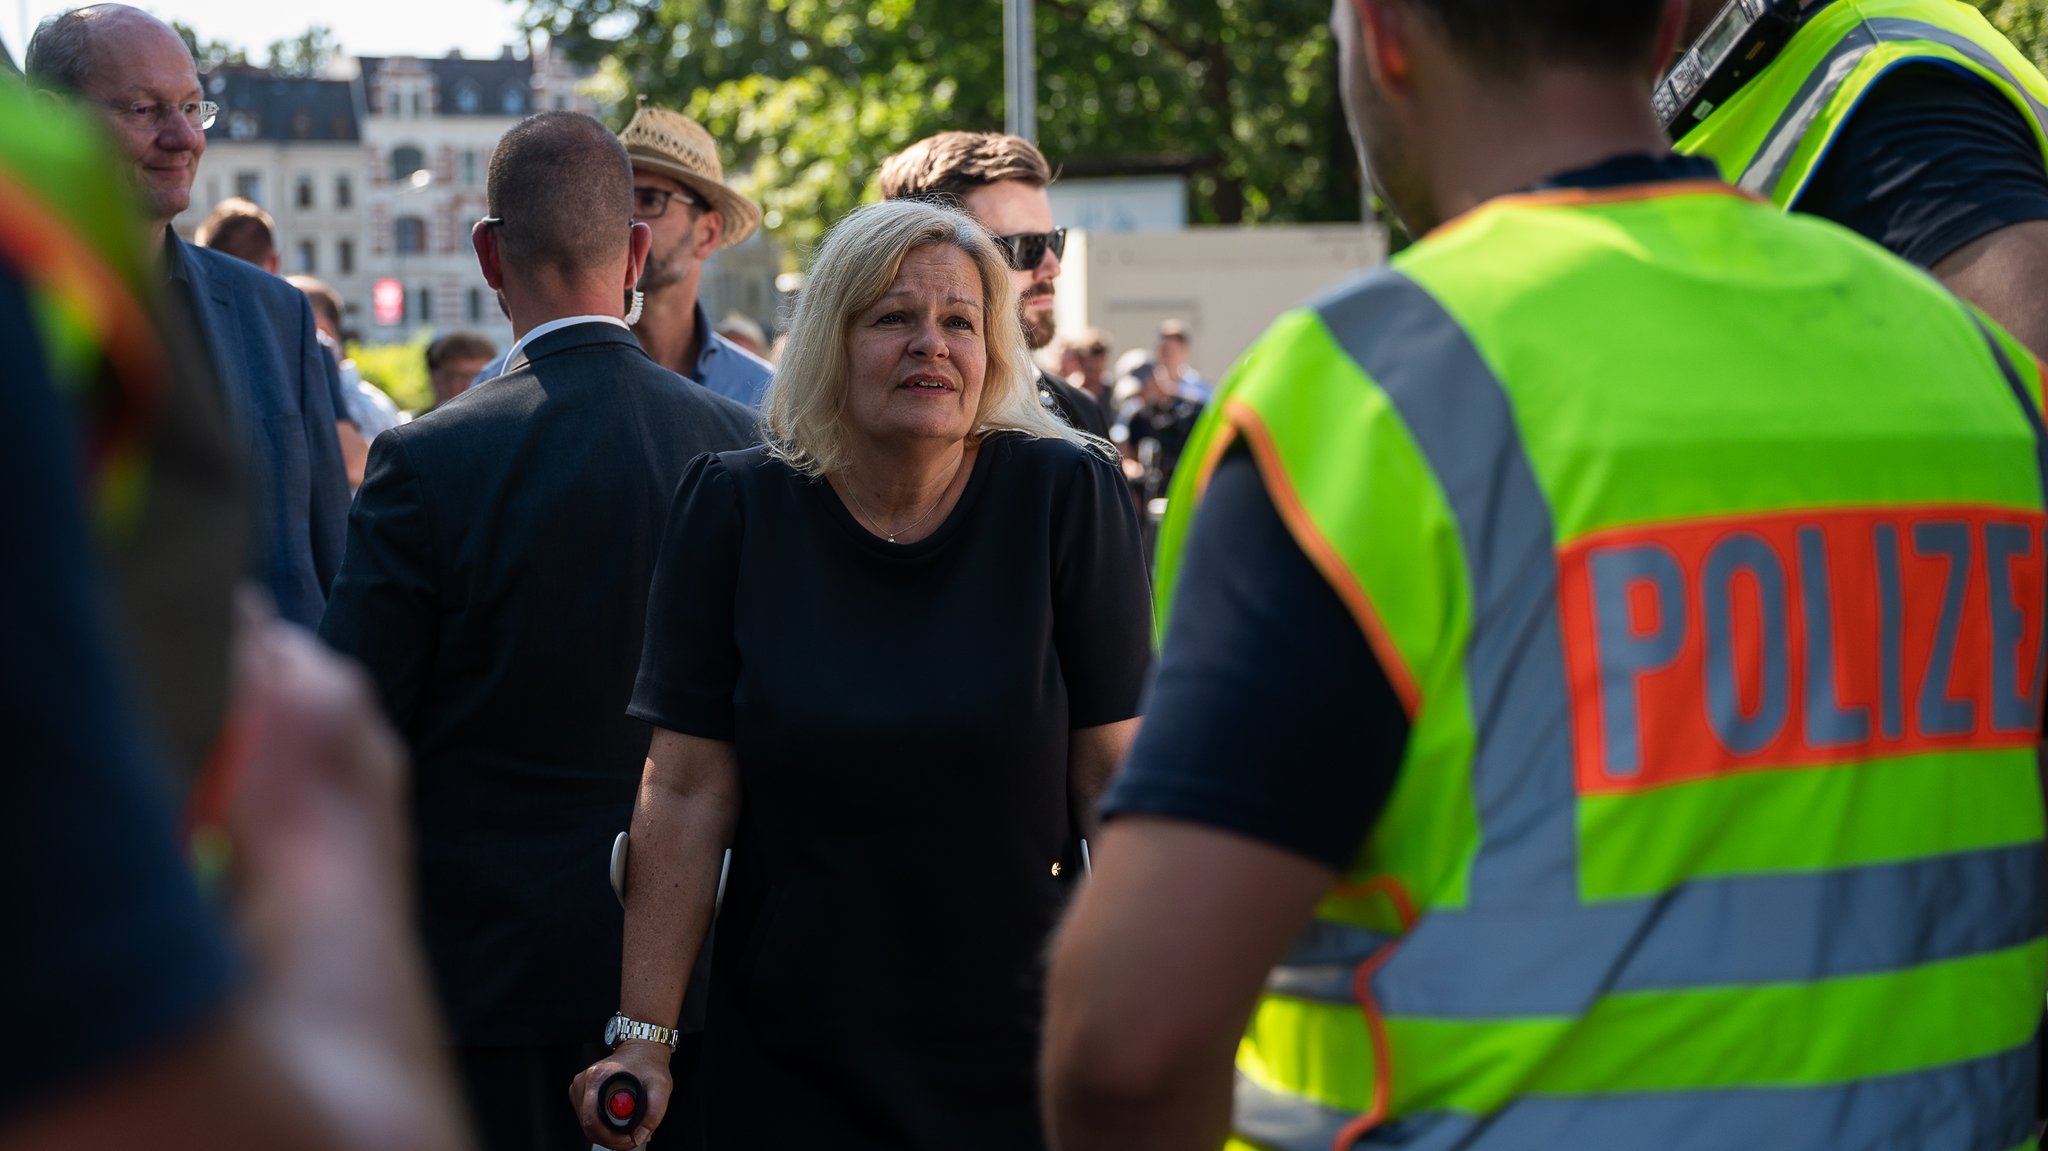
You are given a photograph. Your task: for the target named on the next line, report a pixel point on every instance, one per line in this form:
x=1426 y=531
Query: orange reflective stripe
x=38 y=240
x=1585 y=197
x=1322 y=554
x=1375 y=1020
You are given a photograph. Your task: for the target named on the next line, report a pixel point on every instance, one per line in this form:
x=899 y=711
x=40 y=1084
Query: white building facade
x=428 y=130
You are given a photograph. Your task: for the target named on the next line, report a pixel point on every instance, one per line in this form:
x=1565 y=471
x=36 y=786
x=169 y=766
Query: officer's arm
x=1154 y=975
x=2006 y=274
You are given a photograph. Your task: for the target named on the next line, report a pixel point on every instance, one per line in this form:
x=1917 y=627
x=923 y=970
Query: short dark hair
x=239 y=227
x=561 y=183
x=1511 y=36
x=951 y=164
x=460 y=346
x=60 y=53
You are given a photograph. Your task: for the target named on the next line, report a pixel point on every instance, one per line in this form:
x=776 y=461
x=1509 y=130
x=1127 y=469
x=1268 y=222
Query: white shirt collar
x=539 y=330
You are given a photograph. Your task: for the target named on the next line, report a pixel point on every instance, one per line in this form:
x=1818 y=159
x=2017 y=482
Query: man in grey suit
x=135 y=73
x=496 y=582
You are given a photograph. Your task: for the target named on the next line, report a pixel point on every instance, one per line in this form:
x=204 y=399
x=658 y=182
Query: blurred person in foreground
x=134 y=73
x=1001 y=181
x=372 y=410
x=495 y=586
x=890 y=659
x=150 y=1026
x=459 y=361
x=1572 y=733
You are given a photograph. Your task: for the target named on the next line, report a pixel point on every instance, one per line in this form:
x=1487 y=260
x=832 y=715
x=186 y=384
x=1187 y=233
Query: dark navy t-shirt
x=112 y=951
x=1932 y=158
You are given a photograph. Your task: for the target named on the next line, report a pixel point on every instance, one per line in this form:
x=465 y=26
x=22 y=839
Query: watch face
x=611 y=1032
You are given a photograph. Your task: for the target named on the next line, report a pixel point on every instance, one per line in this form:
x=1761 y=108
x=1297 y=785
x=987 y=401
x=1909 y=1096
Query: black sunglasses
x=650 y=203
x=1026 y=250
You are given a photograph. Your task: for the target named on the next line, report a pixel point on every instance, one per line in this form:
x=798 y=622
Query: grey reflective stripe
x=1961 y=1107
x=1950 y=539
x=1785 y=928
x=1768 y=168
x=1321 y=963
x=1829 y=723
x=2024 y=395
x=1284 y=1122
x=1626 y=657
x=1459 y=416
x=1746 y=733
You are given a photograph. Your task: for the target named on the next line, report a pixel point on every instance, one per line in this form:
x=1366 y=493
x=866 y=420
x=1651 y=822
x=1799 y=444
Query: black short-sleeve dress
x=900 y=715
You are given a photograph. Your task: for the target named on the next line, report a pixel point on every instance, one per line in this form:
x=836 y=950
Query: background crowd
x=854 y=632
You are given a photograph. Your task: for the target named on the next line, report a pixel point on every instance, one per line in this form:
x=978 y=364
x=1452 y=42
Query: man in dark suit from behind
x=135 y=74
x=495 y=583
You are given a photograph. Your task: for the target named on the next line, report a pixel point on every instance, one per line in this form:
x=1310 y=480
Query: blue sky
x=363 y=27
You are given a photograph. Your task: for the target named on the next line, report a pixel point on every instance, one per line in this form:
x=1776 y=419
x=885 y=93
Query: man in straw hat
x=679 y=191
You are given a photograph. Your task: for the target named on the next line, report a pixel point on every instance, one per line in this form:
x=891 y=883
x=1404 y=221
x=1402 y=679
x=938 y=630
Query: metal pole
x=1020 y=71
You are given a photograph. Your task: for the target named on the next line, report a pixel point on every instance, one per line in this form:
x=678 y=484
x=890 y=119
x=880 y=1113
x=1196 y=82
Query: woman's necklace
x=876 y=524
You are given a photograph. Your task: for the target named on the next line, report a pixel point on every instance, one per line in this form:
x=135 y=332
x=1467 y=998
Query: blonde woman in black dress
x=890 y=660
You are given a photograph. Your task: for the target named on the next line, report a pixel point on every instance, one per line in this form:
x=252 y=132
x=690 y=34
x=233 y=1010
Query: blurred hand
x=320 y=880
x=643 y=1058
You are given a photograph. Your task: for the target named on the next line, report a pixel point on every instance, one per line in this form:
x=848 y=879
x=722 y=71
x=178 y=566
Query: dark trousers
x=519 y=1096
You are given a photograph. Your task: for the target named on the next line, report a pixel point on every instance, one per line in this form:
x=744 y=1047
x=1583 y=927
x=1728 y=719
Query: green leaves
x=2025 y=22
x=808 y=96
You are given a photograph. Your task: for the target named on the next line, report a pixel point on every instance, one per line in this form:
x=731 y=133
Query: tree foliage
x=305 y=54
x=807 y=96
x=208 y=54
x=2025 y=22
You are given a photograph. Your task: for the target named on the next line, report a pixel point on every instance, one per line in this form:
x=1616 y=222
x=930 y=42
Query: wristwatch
x=620 y=1029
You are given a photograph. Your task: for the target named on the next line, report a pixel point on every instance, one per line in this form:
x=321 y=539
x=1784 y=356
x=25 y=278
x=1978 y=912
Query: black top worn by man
x=495 y=583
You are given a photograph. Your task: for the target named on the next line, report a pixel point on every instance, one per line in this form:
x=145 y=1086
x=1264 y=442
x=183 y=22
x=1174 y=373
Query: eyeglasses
x=155 y=115
x=650 y=203
x=1026 y=250
x=1093 y=350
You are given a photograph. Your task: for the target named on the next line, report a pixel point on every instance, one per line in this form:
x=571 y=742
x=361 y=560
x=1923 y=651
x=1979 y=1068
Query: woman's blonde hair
x=803 y=416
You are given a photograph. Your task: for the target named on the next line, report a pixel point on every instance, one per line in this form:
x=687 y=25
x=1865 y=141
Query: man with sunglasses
x=135 y=73
x=1000 y=181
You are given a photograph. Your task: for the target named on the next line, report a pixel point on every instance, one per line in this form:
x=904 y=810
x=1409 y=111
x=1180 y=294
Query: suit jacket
x=275 y=378
x=496 y=581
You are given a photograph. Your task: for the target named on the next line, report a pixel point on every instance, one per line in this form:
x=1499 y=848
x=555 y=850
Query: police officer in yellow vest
x=1913 y=122
x=1602 y=673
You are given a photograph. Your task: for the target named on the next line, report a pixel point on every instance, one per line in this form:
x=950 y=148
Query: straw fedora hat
x=673 y=145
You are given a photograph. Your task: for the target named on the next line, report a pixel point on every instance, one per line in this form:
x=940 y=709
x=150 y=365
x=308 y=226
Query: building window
x=345 y=256
x=476 y=306
x=307 y=257
x=405 y=160
x=426 y=306
x=561 y=103
x=302 y=192
x=344 y=192
x=467 y=98
x=249 y=186
x=411 y=235
x=469 y=168
x=514 y=101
